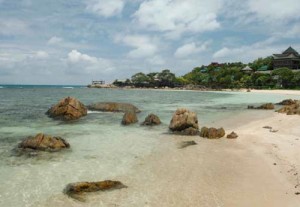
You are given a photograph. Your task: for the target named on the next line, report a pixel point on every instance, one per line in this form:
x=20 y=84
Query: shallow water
x=100 y=147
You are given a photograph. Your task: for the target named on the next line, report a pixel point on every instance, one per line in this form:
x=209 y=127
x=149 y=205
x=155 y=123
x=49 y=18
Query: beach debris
x=287 y=102
x=185 y=144
x=184 y=122
x=113 y=107
x=212 y=133
x=273 y=130
x=267 y=106
x=151 y=120
x=267 y=127
x=77 y=190
x=248 y=90
x=297 y=193
x=232 y=135
x=290 y=109
x=43 y=142
x=67 y=109
x=129 y=118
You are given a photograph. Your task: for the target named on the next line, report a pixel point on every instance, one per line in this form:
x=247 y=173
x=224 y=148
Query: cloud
x=190 y=49
x=54 y=40
x=105 y=8
x=13 y=27
x=81 y=63
x=42 y=54
x=175 y=17
x=143 y=45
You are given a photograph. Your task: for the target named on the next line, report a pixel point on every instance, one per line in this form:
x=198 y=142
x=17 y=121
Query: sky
x=77 y=41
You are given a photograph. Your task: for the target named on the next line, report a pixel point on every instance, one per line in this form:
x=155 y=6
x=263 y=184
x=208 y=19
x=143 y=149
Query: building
x=247 y=69
x=290 y=58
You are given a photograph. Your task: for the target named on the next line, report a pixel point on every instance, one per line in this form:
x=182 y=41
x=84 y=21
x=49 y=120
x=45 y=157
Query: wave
x=94 y=112
x=68 y=87
x=1 y=87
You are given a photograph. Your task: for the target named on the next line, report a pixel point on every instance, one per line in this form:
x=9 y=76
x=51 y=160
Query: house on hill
x=290 y=58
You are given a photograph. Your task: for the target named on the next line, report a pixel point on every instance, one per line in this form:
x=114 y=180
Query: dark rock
x=287 y=102
x=184 y=122
x=129 y=118
x=267 y=127
x=151 y=120
x=67 y=109
x=232 y=135
x=186 y=144
x=113 y=107
x=43 y=142
x=212 y=133
x=74 y=190
x=290 y=109
x=267 y=106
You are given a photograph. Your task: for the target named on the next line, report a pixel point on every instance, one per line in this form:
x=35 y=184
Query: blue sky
x=76 y=41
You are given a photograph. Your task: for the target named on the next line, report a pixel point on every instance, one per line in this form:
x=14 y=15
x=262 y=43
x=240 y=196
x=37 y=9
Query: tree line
x=217 y=76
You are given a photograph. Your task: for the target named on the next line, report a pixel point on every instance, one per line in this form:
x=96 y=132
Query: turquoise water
x=100 y=147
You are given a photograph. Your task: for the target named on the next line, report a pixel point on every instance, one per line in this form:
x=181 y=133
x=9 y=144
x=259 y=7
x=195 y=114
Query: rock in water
x=44 y=143
x=129 y=118
x=212 y=133
x=184 y=122
x=75 y=189
x=151 y=120
x=287 y=102
x=113 y=107
x=267 y=106
x=232 y=135
x=67 y=109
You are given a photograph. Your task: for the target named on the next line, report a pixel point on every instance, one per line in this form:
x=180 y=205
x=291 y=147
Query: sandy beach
x=260 y=168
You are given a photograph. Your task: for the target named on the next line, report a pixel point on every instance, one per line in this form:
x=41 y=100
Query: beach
x=259 y=168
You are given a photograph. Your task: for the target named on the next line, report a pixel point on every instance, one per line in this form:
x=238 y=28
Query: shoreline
x=259 y=168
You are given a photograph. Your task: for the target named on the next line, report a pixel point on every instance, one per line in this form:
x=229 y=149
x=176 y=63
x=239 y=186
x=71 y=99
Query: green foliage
x=283 y=76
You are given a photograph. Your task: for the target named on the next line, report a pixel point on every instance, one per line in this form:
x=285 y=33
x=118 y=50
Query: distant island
x=279 y=71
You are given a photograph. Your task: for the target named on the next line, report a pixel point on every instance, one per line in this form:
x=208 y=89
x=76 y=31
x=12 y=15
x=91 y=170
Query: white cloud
x=54 y=40
x=105 y=8
x=175 y=17
x=83 y=63
x=143 y=45
x=190 y=49
x=41 y=54
x=13 y=27
x=156 y=60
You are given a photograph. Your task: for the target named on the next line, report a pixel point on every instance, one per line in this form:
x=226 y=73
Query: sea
x=101 y=148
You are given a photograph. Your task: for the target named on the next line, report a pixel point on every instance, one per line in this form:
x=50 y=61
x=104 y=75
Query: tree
x=140 y=80
x=166 y=78
x=284 y=76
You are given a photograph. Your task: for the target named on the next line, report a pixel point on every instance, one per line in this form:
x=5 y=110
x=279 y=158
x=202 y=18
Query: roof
x=247 y=68
x=263 y=68
x=290 y=50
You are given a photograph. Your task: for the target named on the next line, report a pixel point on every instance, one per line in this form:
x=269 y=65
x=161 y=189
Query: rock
x=74 y=190
x=129 y=118
x=186 y=144
x=248 y=90
x=151 y=120
x=44 y=143
x=267 y=106
x=113 y=107
x=184 y=122
x=267 y=127
x=287 y=102
x=212 y=133
x=232 y=135
x=67 y=109
x=290 y=109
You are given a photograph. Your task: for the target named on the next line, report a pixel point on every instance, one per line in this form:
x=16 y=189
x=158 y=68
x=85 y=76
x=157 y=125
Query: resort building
x=290 y=58
x=247 y=69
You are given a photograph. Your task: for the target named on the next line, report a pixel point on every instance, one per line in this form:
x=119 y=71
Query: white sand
x=283 y=92
x=258 y=169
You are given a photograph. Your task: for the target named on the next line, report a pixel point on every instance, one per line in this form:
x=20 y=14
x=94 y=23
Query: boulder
x=129 y=118
x=212 y=133
x=75 y=189
x=44 y=142
x=232 y=135
x=184 y=122
x=287 y=102
x=151 y=120
x=267 y=106
x=113 y=107
x=67 y=109
x=290 y=109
